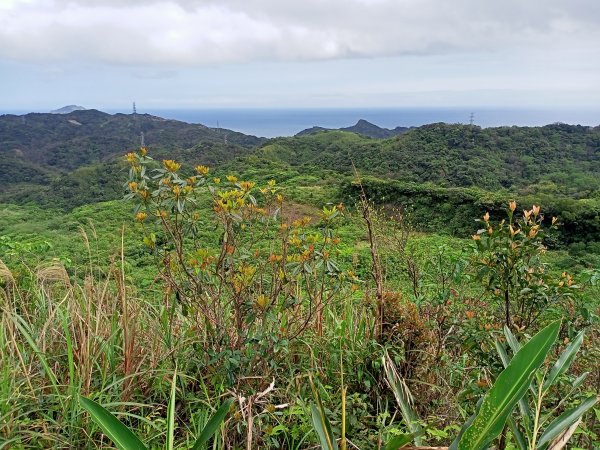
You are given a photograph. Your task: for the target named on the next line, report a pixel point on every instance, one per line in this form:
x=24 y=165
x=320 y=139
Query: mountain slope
x=362 y=127
x=560 y=158
x=67 y=141
x=42 y=154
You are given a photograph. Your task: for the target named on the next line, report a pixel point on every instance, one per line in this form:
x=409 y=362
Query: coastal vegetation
x=328 y=290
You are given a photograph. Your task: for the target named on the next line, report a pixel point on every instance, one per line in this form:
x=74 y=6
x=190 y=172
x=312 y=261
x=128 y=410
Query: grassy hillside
x=233 y=290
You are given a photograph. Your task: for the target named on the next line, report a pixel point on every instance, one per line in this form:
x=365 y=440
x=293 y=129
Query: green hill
x=457 y=170
x=50 y=158
x=562 y=159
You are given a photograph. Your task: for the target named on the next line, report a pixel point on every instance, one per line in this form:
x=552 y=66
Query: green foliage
x=508 y=259
x=403 y=397
x=323 y=428
x=513 y=158
x=68 y=160
x=125 y=439
x=245 y=288
x=527 y=431
x=508 y=389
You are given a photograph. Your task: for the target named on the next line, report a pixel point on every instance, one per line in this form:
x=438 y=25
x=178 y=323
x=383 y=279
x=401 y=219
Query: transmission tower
x=471 y=119
x=134 y=110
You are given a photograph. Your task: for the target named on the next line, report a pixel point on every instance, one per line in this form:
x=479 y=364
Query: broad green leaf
x=502 y=353
x=320 y=421
x=509 y=388
x=523 y=405
x=519 y=438
x=579 y=380
x=121 y=436
x=466 y=425
x=213 y=424
x=565 y=420
x=513 y=343
x=515 y=346
x=399 y=441
x=564 y=361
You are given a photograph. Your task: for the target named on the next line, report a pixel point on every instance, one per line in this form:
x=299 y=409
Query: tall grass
x=91 y=333
x=61 y=337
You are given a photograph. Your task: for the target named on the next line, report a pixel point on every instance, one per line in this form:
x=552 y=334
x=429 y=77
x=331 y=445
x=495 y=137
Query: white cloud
x=300 y=53
x=206 y=32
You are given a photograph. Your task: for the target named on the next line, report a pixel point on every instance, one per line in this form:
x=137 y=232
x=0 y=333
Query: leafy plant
x=322 y=425
x=508 y=259
x=269 y=278
x=512 y=385
x=535 y=430
x=403 y=397
x=125 y=439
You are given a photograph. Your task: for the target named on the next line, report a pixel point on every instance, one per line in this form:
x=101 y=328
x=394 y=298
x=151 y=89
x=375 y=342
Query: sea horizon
x=274 y=122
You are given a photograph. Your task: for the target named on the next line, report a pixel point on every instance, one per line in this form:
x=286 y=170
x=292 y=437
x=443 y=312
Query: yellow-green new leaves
x=508 y=389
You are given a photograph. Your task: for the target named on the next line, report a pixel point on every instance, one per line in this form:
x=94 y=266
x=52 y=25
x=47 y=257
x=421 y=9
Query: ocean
x=287 y=122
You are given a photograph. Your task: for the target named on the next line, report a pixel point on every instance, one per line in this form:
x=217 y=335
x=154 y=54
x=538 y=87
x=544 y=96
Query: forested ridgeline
x=444 y=173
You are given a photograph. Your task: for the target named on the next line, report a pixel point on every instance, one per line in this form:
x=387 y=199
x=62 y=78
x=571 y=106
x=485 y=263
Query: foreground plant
x=496 y=407
x=125 y=439
x=324 y=431
x=521 y=375
x=508 y=259
x=259 y=281
x=539 y=429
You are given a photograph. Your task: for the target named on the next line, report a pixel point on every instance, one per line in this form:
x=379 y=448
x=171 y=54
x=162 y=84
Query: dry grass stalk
x=52 y=273
x=6 y=275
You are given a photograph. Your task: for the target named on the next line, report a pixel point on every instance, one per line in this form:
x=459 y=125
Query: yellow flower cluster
x=246 y=185
x=171 y=165
x=202 y=170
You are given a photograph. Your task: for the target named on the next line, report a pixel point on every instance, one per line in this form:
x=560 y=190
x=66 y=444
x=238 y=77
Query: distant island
x=362 y=127
x=67 y=109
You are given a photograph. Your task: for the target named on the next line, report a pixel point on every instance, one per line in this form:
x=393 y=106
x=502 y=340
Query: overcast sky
x=309 y=53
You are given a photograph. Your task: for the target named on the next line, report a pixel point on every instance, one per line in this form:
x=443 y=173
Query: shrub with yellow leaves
x=266 y=281
x=508 y=259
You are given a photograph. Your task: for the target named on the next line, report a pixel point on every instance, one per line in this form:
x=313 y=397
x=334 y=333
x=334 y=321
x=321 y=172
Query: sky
x=105 y=54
